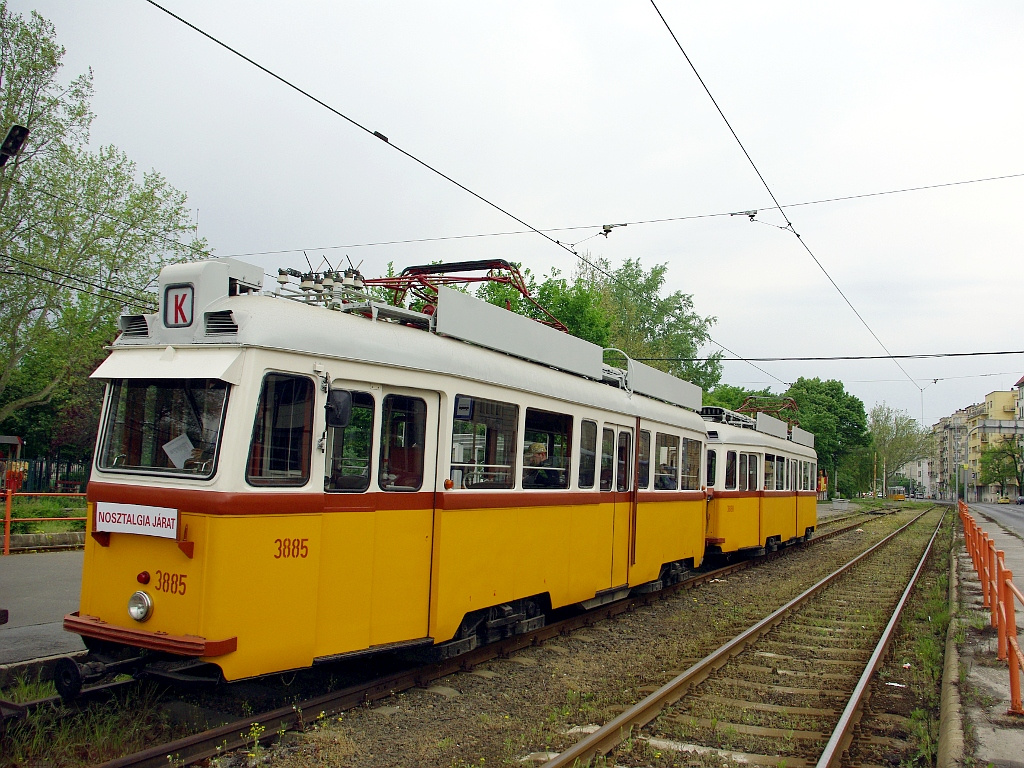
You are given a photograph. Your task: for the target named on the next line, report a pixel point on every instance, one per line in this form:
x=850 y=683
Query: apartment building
x=948 y=446
x=989 y=423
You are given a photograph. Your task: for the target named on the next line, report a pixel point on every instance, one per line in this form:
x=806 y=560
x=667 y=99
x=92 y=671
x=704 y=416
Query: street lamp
x=934 y=381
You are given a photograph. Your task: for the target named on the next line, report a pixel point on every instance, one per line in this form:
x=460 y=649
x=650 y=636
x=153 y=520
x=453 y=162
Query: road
x=1010 y=516
x=37 y=590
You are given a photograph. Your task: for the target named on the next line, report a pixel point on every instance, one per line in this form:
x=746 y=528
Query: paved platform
x=992 y=737
x=38 y=590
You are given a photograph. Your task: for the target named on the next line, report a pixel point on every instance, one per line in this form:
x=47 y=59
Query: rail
x=607 y=737
x=8 y=519
x=999 y=594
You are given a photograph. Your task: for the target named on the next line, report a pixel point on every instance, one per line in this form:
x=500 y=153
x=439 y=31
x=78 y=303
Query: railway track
x=238 y=734
x=789 y=690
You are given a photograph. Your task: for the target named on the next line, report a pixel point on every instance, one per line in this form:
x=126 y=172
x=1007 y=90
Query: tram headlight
x=140 y=606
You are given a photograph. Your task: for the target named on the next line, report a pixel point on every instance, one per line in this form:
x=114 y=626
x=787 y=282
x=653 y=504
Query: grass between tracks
x=60 y=737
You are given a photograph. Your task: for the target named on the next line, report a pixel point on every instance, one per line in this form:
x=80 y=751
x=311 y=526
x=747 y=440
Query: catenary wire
x=626 y=223
x=109 y=292
x=358 y=125
x=135 y=227
x=921 y=356
x=789 y=224
x=409 y=155
x=96 y=291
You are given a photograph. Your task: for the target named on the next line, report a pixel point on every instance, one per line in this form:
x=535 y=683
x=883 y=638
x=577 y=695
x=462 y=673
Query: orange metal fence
x=8 y=498
x=998 y=595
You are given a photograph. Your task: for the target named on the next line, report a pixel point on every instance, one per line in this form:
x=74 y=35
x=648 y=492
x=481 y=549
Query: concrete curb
x=33 y=540
x=951 y=726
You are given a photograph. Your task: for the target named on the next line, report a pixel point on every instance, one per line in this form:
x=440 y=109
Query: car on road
x=1020 y=499
x=1003 y=500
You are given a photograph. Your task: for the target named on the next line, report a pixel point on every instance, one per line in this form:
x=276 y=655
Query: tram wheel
x=67 y=677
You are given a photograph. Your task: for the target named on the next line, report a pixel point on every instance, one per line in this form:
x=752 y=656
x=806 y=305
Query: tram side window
x=588 y=453
x=483 y=443
x=769 y=472
x=730 y=471
x=644 y=478
x=402 y=438
x=689 y=465
x=712 y=467
x=780 y=473
x=752 y=472
x=742 y=480
x=546 y=442
x=666 y=456
x=282 y=434
x=625 y=462
x=348 y=467
x=607 y=458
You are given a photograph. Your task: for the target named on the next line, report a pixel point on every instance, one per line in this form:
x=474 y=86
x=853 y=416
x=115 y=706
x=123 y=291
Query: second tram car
x=280 y=482
x=762 y=477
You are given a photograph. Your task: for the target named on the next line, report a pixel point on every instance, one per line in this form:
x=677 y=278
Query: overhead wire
x=134 y=227
x=97 y=291
x=138 y=299
x=357 y=124
x=382 y=137
x=789 y=224
x=625 y=223
x=922 y=356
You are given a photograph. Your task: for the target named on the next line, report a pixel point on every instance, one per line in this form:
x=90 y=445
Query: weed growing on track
x=25 y=688
x=55 y=736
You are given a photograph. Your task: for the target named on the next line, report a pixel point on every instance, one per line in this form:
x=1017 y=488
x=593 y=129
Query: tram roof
x=470 y=339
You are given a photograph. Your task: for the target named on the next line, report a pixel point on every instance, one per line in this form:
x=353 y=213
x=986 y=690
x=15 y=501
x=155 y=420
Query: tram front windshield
x=163 y=425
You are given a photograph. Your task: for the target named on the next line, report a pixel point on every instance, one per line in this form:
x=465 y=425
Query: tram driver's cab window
x=163 y=426
x=403 y=432
x=546 y=441
x=350 y=448
x=283 y=431
x=483 y=443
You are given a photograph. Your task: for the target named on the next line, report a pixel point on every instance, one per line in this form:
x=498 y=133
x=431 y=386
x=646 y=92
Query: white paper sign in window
x=179 y=450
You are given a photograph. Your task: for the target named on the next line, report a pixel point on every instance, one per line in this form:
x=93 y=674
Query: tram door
x=617 y=477
x=378 y=521
x=792 y=486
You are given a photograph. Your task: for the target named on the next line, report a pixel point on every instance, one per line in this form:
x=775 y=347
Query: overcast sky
x=578 y=114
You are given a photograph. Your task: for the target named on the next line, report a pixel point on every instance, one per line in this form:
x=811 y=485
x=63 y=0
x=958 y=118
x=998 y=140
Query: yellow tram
x=291 y=478
x=761 y=477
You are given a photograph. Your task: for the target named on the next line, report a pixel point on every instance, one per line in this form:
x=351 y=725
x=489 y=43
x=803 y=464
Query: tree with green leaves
x=836 y=418
x=855 y=474
x=731 y=396
x=898 y=439
x=83 y=235
x=663 y=331
x=621 y=309
x=1002 y=464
